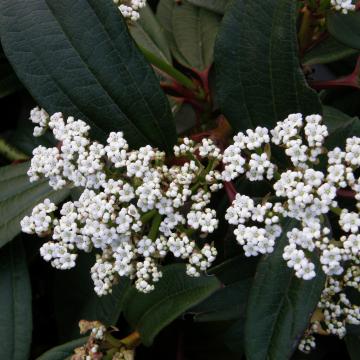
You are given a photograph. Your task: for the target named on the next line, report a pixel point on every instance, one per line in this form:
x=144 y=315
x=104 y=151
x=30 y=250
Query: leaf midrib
x=68 y=38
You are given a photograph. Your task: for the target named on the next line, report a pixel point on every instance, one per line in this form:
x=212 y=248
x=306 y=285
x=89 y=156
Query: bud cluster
x=343 y=6
x=130 y=8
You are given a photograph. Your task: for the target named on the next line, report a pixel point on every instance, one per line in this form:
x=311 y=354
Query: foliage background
x=57 y=297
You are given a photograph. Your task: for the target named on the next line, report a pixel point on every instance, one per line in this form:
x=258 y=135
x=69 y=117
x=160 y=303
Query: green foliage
x=345 y=28
x=148 y=33
x=340 y=126
x=280 y=305
x=228 y=302
x=328 y=51
x=174 y=293
x=259 y=79
x=191 y=31
x=15 y=303
x=89 y=69
x=18 y=197
x=63 y=351
x=217 y=6
x=80 y=57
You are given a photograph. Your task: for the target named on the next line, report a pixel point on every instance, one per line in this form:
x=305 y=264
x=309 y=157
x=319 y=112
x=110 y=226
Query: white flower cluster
x=306 y=195
x=302 y=193
x=130 y=8
x=40 y=220
x=343 y=6
x=258 y=166
x=308 y=341
x=337 y=308
x=41 y=118
x=134 y=208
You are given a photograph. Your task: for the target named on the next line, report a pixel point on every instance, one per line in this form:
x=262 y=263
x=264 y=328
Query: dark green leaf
x=279 y=306
x=340 y=126
x=345 y=28
x=225 y=304
x=217 y=6
x=328 y=51
x=15 y=303
x=18 y=197
x=353 y=346
x=174 y=293
x=76 y=56
x=63 y=351
x=259 y=79
x=149 y=34
x=230 y=300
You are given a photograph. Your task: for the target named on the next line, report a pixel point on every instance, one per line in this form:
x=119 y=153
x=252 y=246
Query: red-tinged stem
x=198 y=137
x=204 y=77
x=15 y=162
x=230 y=191
x=351 y=80
x=350 y=194
x=183 y=93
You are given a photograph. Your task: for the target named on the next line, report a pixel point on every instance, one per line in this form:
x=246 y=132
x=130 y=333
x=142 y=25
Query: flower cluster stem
x=168 y=69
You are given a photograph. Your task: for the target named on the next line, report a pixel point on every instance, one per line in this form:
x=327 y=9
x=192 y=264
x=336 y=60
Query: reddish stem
x=350 y=194
x=351 y=80
x=198 y=137
x=230 y=191
x=204 y=77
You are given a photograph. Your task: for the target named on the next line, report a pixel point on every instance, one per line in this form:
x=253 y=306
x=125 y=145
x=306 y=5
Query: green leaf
x=280 y=305
x=259 y=79
x=18 y=197
x=225 y=304
x=340 y=127
x=217 y=6
x=76 y=56
x=327 y=51
x=174 y=293
x=345 y=28
x=63 y=351
x=228 y=302
x=15 y=303
x=353 y=346
x=164 y=15
x=148 y=33
x=191 y=32
x=194 y=31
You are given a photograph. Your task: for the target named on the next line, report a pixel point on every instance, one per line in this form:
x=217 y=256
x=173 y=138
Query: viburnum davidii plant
x=193 y=167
